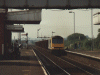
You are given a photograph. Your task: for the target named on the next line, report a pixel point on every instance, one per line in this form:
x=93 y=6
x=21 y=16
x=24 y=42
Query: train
x=55 y=43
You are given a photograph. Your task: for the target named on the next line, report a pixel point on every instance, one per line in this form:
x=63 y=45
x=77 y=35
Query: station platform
x=27 y=64
x=94 y=53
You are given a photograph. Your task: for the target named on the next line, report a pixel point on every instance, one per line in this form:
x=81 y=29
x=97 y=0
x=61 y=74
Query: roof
x=56 y=37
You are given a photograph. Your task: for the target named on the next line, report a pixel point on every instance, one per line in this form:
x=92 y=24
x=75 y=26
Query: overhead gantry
x=49 y=4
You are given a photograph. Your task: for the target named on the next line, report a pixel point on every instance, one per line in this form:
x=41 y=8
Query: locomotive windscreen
x=57 y=41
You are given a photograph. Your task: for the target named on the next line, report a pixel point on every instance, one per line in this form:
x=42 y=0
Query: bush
x=87 y=44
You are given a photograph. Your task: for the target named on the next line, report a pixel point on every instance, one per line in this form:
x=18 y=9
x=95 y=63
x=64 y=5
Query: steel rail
x=55 y=64
x=44 y=68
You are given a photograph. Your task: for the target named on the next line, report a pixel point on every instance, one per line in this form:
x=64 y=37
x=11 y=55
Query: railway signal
x=26 y=38
x=52 y=33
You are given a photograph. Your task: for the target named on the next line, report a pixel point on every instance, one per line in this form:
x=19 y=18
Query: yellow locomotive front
x=56 y=43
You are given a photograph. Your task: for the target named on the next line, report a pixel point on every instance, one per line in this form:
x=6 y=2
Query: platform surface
x=27 y=64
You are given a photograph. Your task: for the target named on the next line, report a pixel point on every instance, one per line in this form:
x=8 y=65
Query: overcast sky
x=62 y=23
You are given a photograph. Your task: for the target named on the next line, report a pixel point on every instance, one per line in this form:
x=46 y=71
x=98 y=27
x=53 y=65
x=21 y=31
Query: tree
x=87 y=44
x=98 y=37
x=98 y=30
x=97 y=41
x=76 y=36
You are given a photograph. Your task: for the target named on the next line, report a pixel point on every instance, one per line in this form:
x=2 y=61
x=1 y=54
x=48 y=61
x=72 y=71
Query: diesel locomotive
x=55 y=43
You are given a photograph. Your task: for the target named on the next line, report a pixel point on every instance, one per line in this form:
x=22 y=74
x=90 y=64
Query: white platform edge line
x=40 y=63
x=85 y=55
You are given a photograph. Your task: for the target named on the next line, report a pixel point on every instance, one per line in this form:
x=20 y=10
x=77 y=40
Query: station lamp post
x=74 y=19
x=92 y=29
x=74 y=24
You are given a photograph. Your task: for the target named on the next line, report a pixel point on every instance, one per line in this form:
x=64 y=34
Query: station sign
x=15 y=28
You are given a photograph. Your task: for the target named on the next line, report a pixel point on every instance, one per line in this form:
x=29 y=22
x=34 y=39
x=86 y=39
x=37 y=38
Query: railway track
x=61 y=62
x=64 y=62
x=84 y=67
x=50 y=67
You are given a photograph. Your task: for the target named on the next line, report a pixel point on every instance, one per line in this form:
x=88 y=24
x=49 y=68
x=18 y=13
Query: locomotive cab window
x=58 y=41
